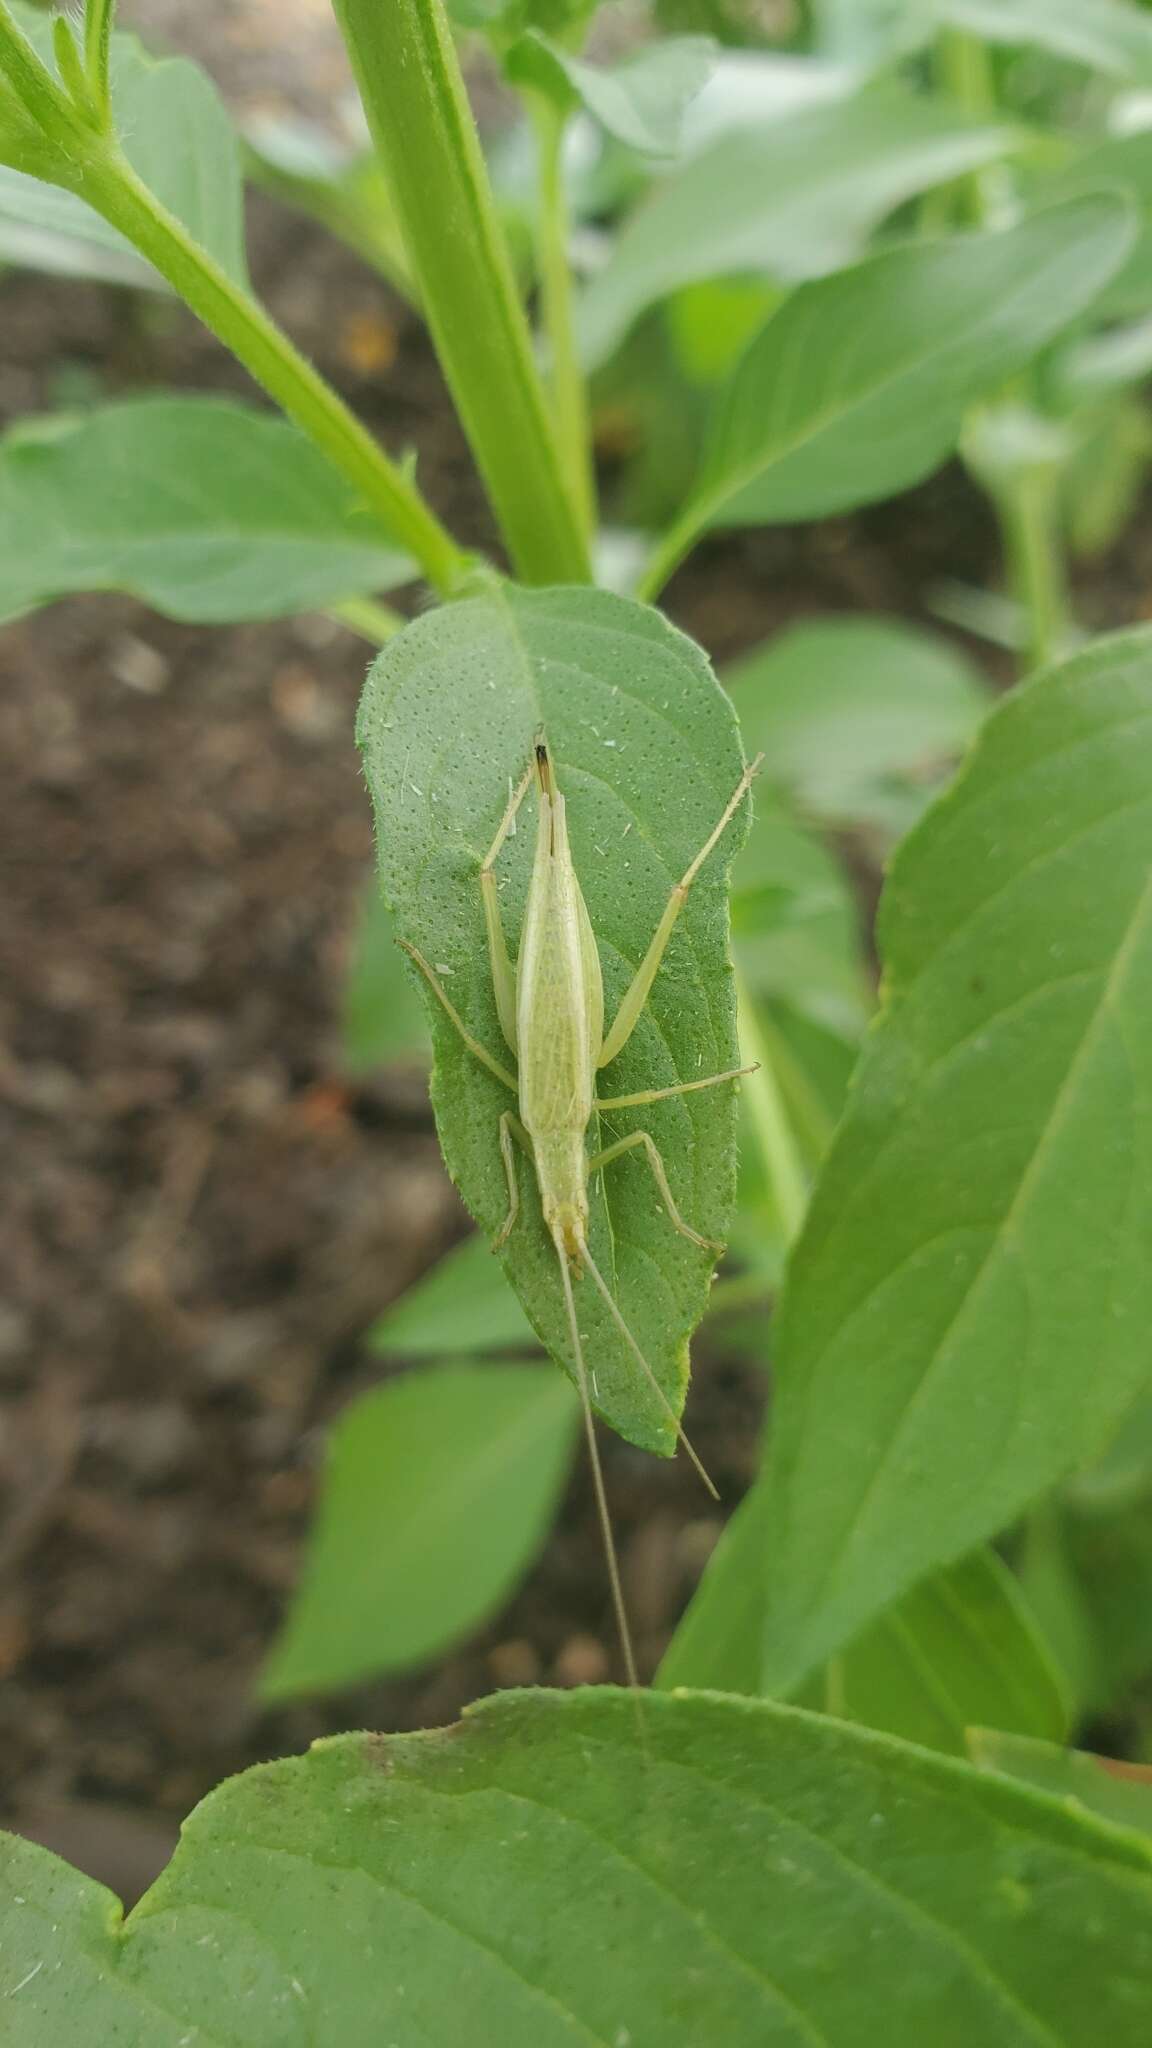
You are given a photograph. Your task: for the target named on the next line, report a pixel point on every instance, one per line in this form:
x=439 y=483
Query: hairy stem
x=409 y=78
x=112 y=187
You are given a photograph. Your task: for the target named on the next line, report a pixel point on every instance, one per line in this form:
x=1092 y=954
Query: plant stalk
x=774 y=1135
x=965 y=74
x=373 y=621
x=112 y=187
x=413 y=92
x=665 y=559
x=1029 y=522
x=566 y=379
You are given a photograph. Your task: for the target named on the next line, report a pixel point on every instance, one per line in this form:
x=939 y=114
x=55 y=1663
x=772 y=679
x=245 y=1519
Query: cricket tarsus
x=550 y=1007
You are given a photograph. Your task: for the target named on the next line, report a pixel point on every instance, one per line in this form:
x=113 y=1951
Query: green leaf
x=205 y=509
x=343 y=188
x=789 y=199
x=857 y=717
x=959 y=1650
x=439 y=1490
x=968 y=1309
x=557 y=1871
x=647 y=754
x=1112 y=36
x=858 y=385
x=463 y=1304
x=1109 y=1560
x=176 y=133
x=1122 y=1476
x=1116 y=1792
x=1107 y=35
x=383 y=1017
x=795 y=925
x=1057 y=1599
x=641 y=101
x=1123 y=162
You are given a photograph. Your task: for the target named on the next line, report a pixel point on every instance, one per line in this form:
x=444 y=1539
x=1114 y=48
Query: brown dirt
x=200 y=1213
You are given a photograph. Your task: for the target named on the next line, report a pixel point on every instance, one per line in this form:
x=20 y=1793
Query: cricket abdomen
x=562 y=1178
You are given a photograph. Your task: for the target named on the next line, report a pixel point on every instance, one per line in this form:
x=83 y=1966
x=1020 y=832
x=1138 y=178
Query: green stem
x=770 y=1119
x=1029 y=521
x=965 y=73
x=112 y=187
x=565 y=369
x=406 y=67
x=665 y=558
x=375 y=622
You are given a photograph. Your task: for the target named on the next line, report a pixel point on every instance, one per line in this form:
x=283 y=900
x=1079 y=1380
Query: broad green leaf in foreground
x=205 y=509
x=958 y=1650
x=1115 y=1791
x=969 y=1307
x=858 y=385
x=438 y=1493
x=463 y=1304
x=558 y=1873
x=178 y=137
x=640 y=101
x=788 y=199
x=857 y=717
x=647 y=754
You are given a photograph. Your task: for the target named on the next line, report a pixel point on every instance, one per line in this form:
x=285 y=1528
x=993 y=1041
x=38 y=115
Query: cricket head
x=544 y=774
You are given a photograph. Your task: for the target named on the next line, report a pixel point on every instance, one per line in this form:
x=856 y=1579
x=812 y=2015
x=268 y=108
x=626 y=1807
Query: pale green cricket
x=551 y=1011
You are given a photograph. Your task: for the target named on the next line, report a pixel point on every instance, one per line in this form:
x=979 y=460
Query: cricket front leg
x=659 y=1175
x=635 y=997
x=511 y=1127
x=503 y=972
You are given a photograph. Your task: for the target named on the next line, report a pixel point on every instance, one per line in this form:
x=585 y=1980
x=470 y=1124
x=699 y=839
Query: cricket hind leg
x=608 y=1298
x=503 y=972
x=636 y=995
x=660 y=1176
x=474 y=1046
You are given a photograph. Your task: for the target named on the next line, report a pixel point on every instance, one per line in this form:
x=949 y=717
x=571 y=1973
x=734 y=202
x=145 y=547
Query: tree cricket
x=550 y=1005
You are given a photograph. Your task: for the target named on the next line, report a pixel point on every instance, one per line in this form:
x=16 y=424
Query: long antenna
x=625 y=1631
x=653 y=1382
